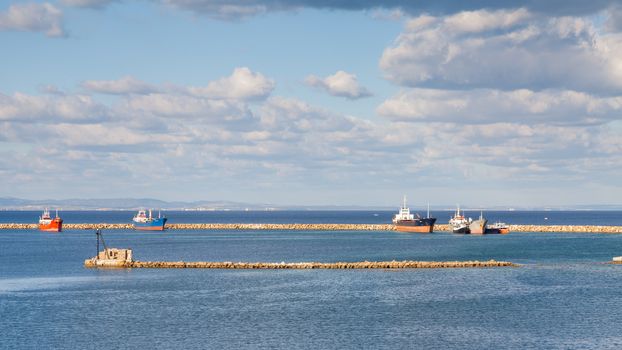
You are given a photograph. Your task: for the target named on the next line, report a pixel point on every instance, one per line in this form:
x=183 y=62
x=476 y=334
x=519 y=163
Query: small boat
x=458 y=223
x=49 y=224
x=406 y=222
x=498 y=227
x=145 y=222
x=478 y=227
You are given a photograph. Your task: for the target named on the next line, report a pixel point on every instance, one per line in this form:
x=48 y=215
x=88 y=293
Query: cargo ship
x=458 y=223
x=498 y=227
x=478 y=227
x=406 y=222
x=49 y=224
x=145 y=222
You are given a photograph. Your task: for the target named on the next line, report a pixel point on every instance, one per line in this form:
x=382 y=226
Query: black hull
x=417 y=222
x=462 y=230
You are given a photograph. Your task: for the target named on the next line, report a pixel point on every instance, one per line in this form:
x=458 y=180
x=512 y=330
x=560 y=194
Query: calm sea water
x=563 y=297
x=300 y=216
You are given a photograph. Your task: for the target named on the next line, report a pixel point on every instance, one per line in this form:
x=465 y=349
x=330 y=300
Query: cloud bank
x=507 y=50
x=244 y=8
x=95 y=4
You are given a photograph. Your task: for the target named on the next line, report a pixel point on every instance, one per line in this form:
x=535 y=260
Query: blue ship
x=145 y=222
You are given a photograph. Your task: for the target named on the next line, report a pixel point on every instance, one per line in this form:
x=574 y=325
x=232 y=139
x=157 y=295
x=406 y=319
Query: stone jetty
x=407 y=264
x=315 y=227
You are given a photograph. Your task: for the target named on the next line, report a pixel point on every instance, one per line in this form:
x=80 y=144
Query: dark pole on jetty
x=97 y=233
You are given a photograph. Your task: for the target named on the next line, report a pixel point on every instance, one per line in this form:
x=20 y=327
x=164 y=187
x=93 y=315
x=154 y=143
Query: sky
x=313 y=102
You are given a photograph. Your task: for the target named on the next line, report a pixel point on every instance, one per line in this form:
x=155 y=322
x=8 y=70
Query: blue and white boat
x=145 y=222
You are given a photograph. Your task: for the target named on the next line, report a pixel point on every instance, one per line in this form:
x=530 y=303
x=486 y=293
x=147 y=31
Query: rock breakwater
x=315 y=227
x=566 y=228
x=407 y=264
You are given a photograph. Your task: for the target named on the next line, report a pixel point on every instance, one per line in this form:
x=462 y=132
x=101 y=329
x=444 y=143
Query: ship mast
x=428 y=210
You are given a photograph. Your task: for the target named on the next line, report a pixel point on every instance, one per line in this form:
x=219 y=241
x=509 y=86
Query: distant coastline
x=132 y=204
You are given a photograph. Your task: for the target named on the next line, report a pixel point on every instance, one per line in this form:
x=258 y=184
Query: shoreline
x=315 y=227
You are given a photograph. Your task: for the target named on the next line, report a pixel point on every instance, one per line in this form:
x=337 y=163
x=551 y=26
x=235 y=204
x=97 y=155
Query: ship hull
x=153 y=225
x=499 y=231
x=56 y=225
x=460 y=229
x=425 y=225
x=478 y=227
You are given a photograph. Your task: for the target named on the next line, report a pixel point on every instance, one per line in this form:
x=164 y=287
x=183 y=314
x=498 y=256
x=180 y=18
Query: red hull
x=420 y=229
x=152 y=228
x=55 y=226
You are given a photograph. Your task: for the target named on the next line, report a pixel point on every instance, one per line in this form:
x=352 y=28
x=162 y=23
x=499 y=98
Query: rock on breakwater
x=316 y=227
x=407 y=264
x=566 y=228
x=296 y=227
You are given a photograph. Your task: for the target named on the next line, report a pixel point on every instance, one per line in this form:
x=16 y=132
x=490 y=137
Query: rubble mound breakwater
x=407 y=264
x=315 y=227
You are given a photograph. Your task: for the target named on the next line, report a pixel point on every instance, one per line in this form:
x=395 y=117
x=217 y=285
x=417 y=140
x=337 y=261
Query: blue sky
x=513 y=103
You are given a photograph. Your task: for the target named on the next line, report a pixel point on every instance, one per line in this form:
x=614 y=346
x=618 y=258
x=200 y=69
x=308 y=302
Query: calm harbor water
x=563 y=297
x=585 y=217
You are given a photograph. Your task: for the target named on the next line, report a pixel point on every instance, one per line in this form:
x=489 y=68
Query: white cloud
x=341 y=84
x=33 y=17
x=490 y=106
x=296 y=116
x=88 y=3
x=506 y=49
x=243 y=84
x=23 y=108
x=125 y=85
x=181 y=106
x=481 y=21
x=89 y=135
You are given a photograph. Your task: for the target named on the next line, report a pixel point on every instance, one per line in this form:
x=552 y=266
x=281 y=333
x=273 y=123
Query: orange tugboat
x=499 y=227
x=46 y=223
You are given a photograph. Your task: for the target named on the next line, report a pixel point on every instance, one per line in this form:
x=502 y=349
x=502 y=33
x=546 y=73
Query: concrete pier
x=316 y=227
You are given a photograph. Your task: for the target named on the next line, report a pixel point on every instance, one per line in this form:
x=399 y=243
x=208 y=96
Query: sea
x=564 y=294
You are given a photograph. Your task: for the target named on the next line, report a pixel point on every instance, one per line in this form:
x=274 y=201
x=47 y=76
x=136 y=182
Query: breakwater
x=407 y=264
x=315 y=227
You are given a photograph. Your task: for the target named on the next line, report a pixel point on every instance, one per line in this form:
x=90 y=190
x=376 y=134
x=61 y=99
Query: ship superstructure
x=458 y=223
